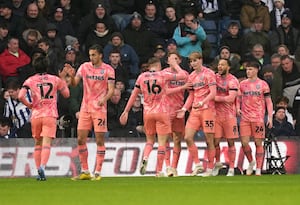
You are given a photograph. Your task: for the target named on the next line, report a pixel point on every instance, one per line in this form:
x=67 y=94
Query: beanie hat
x=117 y=34
x=136 y=15
x=287 y=14
x=70 y=40
x=51 y=27
x=282 y=1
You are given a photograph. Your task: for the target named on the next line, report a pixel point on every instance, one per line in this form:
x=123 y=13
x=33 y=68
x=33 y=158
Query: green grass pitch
x=241 y=190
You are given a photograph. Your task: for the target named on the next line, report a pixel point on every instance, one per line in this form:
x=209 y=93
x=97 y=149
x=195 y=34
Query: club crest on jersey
x=102 y=71
x=257 y=86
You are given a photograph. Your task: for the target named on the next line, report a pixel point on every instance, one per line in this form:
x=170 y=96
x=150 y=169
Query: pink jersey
x=176 y=100
x=225 y=110
x=201 y=82
x=43 y=88
x=253 y=104
x=95 y=85
x=153 y=87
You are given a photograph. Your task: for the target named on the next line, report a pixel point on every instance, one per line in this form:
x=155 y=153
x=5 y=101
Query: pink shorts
x=157 y=123
x=177 y=124
x=226 y=128
x=204 y=119
x=252 y=129
x=88 y=120
x=43 y=127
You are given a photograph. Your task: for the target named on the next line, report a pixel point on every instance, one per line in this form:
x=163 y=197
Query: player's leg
x=231 y=156
x=231 y=133
x=259 y=135
x=150 y=131
x=163 y=128
x=48 y=133
x=83 y=128
x=208 y=123
x=245 y=132
x=177 y=137
x=217 y=138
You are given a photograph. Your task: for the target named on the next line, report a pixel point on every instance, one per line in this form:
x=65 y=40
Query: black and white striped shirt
x=17 y=111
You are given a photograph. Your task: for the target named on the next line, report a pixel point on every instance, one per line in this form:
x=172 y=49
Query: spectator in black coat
x=281 y=127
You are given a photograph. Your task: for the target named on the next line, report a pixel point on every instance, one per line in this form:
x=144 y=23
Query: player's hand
x=123 y=118
x=198 y=105
x=180 y=113
x=270 y=122
x=69 y=69
x=239 y=112
x=187 y=86
x=101 y=102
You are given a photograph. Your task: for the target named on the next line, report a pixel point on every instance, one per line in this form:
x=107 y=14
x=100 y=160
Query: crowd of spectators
x=132 y=31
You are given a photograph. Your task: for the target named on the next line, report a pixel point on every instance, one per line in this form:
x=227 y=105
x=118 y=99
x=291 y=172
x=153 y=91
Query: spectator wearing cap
x=63 y=25
x=256 y=36
x=33 y=20
x=129 y=58
x=121 y=12
x=286 y=34
x=171 y=46
x=101 y=35
x=71 y=12
x=281 y=127
x=54 y=39
x=13 y=22
x=11 y=59
x=171 y=20
x=189 y=35
x=224 y=53
x=74 y=43
x=29 y=40
x=276 y=13
x=159 y=51
x=3 y=36
x=154 y=23
x=137 y=36
x=252 y=9
x=100 y=11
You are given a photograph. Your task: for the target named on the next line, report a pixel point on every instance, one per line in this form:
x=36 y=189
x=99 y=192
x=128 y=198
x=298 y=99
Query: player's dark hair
x=227 y=60
x=41 y=64
x=254 y=64
x=97 y=47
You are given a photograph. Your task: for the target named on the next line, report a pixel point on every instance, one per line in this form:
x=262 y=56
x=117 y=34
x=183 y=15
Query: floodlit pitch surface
x=241 y=190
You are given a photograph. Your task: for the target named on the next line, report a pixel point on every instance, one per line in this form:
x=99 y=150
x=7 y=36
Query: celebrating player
x=226 y=123
x=255 y=97
x=43 y=88
x=202 y=115
x=98 y=86
x=152 y=84
x=175 y=98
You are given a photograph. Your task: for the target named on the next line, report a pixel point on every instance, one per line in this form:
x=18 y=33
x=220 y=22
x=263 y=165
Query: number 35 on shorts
x=209 y=123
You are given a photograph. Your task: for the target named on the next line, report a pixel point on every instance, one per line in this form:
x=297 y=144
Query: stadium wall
x=122 y=157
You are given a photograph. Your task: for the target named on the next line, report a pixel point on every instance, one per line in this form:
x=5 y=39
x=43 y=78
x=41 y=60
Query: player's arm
x=211 y=96
x=133 y=96
x=110 y=92
x=269 y=106
x=187 y=105
x=22 y=98
x=186 y=86
x=232 y=94
x=64 y=90
x=68 y=70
